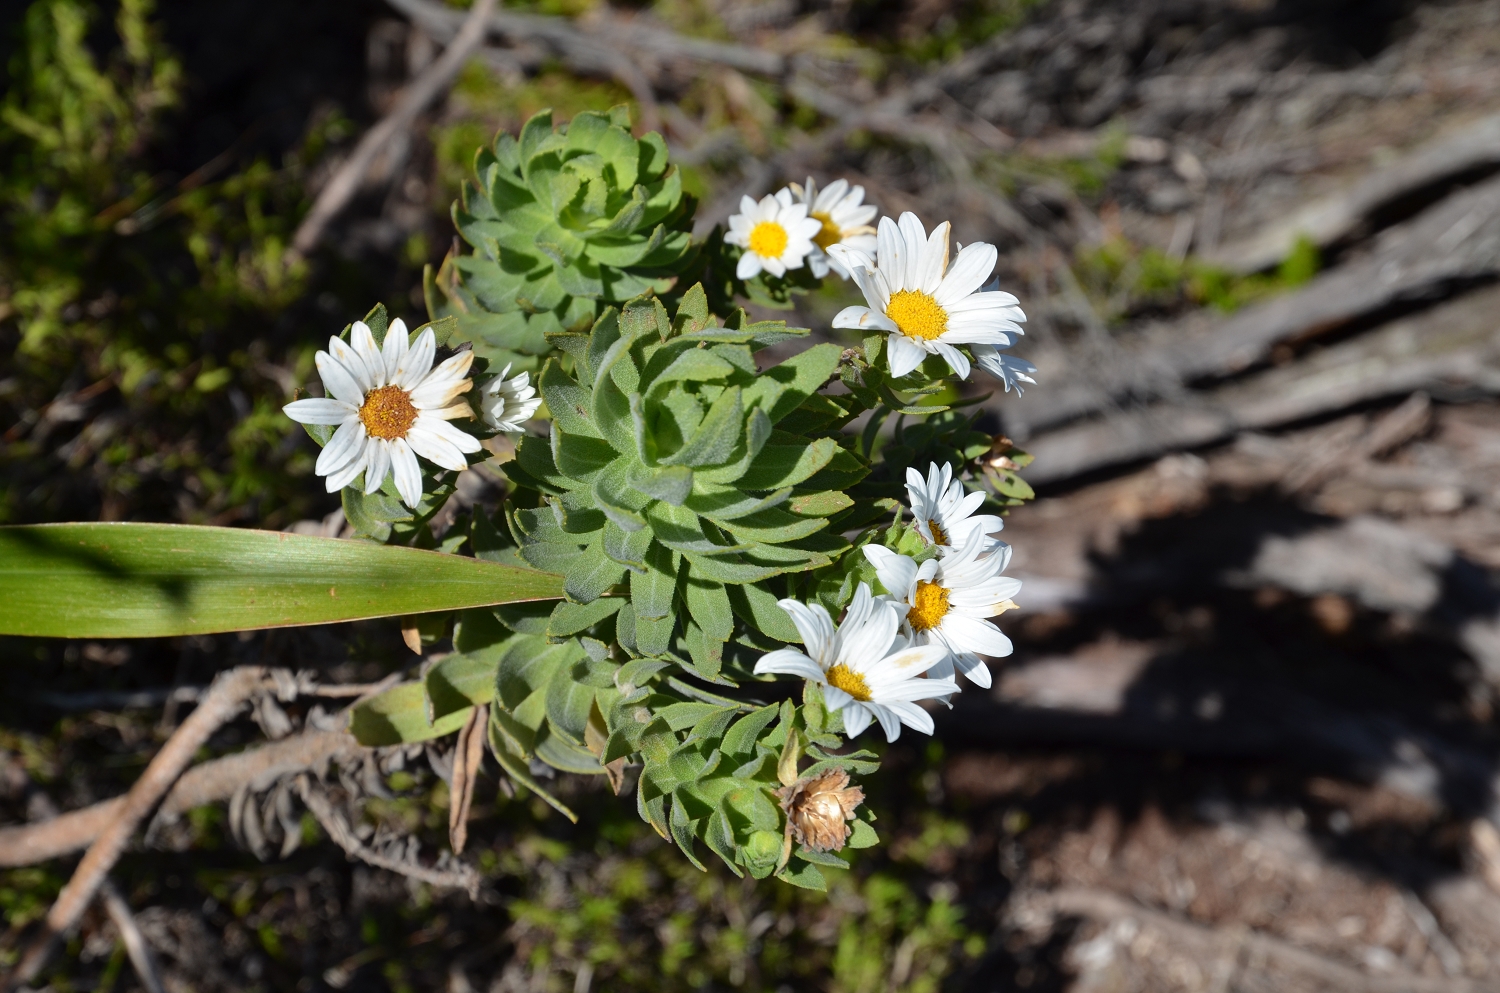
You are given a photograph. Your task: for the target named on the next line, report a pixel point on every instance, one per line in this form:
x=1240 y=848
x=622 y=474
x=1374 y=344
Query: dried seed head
x=818 y=809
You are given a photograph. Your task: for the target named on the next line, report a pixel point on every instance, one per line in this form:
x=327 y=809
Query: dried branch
x=225 y=698
x=142 y=959
x=433 y=80
x=462 y=877
x=211 y=782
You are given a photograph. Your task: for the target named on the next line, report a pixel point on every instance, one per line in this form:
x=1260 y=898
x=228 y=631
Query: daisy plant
x=715 y=575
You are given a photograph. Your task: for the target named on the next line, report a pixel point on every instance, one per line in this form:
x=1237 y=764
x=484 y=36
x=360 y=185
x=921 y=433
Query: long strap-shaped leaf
x=151 y=580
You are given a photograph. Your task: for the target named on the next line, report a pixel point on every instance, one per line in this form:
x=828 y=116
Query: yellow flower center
x=938 y=536
x=388 y=412
x=768 y=239
x=931 y=606
x=917 y=314
x=831 y=233
x=849 y=681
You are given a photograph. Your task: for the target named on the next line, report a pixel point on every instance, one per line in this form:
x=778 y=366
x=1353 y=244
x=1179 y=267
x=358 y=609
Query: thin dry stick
x=224 y=699
x=461 y=877
x=433 y=80
x=141 y=956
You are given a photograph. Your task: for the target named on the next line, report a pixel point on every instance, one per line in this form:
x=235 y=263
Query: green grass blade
x=154 y=580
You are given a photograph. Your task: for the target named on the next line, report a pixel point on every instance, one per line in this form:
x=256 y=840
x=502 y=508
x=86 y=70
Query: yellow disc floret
x=849 y=681
x=388 y=412
x=831 y=234
x=939 y=537
x=917 y=314
x=768 y=239
x=930 y=608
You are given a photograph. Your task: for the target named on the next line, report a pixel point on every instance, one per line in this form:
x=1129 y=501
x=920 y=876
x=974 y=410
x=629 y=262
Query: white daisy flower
x=944 y=513
x=391 y=405
x=845 y=218
x=867 y=669
x=927 y=306
x=948 y=600
x=776 y=236
x=509 y=403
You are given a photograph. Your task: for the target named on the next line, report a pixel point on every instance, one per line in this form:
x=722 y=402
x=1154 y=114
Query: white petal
x=971 y=634
x=972 y=267
x=915 y=262
x=863 y=319
x=906 y=664
x=789 y=662
x=408 y=475
x=985 y=300
x=934 y=259
x=889 y=722
x=975 y=335
x=379 y=465
x=348 y=474
x=856 y=719
x=815 y=626
x=774 y=266
x=319 y=410
x=897 y=573
x=461 y=440
x=339 y=380
x=749 y=266
x=912 y=716
x=905 y=354
x=957 y=361
x=418 y=361
x=363 y=342
x=397 y=343
x=891 y=254
x=974 y=669
x=439 y=451
x=868 y=644
x=345 y=444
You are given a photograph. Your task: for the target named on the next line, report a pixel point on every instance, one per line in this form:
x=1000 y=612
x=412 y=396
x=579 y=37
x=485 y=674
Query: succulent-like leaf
x=561 y=221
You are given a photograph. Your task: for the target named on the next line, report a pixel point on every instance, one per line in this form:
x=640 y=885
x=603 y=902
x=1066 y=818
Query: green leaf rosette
x=679 y=472
x=563 y=220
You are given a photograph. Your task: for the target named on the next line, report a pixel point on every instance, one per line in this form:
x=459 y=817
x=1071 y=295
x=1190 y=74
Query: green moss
x=1122 y=278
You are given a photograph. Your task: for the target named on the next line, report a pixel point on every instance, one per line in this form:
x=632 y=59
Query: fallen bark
x=1453 y=346
x=1454 y=242
x=1336 y=218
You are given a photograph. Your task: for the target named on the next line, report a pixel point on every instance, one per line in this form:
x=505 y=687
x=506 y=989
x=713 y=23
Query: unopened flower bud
x=819 y=808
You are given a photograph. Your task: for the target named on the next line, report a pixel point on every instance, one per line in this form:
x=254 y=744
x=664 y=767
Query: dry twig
x=142 y=959
x=335 y=196
x=225 y=698
x=211 y=782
